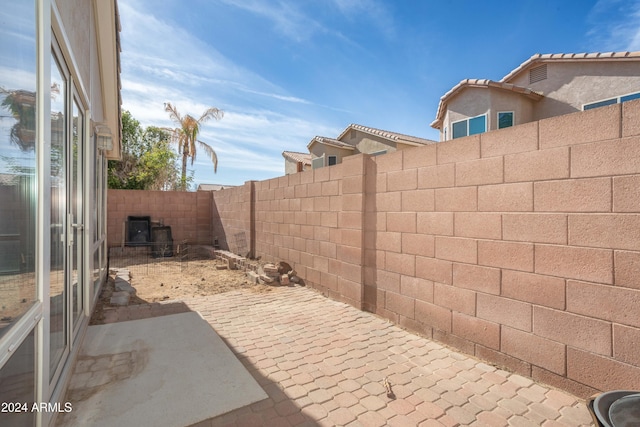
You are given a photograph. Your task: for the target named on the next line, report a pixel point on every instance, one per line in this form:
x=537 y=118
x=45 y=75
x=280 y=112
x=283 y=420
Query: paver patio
x=323 y=363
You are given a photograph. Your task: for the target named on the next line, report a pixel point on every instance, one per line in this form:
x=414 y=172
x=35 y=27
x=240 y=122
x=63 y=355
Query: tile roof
x=571 y=57
x=330 y=141
x=392 y=136
x=479 y=83
x=305 y=158
x=213 y=187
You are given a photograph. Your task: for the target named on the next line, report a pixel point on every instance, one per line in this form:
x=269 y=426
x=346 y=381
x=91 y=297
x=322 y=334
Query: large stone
x=253 y=276
x=120 y=298
x=284 y=268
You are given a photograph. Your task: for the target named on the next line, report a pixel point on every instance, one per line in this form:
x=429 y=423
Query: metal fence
x=145 y=260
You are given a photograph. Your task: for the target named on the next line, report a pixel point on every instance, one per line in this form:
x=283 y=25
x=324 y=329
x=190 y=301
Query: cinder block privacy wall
x=520 y=246
x=188 y=214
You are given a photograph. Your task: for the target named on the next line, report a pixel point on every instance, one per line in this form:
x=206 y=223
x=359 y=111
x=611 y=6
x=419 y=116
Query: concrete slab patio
x=165 y=371
x=322 y=363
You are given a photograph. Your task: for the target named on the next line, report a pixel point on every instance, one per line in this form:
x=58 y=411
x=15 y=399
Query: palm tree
x=186 y=136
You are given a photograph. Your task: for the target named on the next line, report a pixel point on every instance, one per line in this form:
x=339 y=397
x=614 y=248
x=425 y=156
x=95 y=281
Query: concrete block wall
x=520 y=246
x=314 y=220
x=232 y=218
x=187 y=213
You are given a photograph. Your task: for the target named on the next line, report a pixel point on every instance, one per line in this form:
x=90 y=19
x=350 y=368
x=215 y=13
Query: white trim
x=43 y=209
x=467 y=120
x=617 y=99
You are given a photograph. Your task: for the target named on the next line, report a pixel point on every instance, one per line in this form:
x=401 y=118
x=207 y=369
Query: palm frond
x=211 y=113
x=211 y=153
x=174 y=114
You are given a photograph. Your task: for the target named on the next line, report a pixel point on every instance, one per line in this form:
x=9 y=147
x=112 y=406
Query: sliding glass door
x=67 y=215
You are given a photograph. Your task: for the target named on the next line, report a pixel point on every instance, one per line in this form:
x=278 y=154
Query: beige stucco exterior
x=318 y=150
x=568 y=83
x=88 y=27
x=487 y=101
x=357 y=139
x=291 y=166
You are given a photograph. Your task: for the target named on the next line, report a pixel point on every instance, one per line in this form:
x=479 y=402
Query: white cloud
x=373 y=10
x=261 y=119
x=615 y=25
x=287 y=18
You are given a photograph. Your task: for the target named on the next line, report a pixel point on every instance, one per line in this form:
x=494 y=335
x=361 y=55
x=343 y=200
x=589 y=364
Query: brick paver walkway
x=323 y=363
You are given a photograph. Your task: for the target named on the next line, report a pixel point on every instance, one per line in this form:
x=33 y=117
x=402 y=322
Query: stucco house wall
x=474 y=102
x=570 y=85
x=317 y=150
x=368 y=144
x=290 y=166
x=544 y=86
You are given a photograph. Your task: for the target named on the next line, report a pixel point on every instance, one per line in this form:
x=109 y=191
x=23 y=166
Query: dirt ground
x=174 y=280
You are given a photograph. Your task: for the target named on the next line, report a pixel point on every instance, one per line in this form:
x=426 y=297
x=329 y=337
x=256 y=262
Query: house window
x=332 y=160
x=470 y=126
x=18 y=180
x=505 y=119
x=611 y=101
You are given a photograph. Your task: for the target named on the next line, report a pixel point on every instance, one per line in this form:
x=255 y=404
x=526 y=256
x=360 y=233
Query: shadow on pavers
x=277 y=410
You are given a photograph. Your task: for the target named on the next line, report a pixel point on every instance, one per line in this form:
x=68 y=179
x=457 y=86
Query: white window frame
x=618 y=100
x=467 y=128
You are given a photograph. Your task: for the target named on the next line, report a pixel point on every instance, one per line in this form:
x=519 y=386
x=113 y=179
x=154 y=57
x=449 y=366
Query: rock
x=120 y=298
x=284 y=268
x=253 y=276
x=221 y=267
x=266 y=278
x=122 y=285
x=294 y=279
x=284 y=279
x=270 y=269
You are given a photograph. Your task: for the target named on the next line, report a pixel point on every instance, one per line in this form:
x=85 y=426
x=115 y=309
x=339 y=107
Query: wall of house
x=187 y=213
x=520 y=246
x=569 y=85
x=367 y=143
x=473 y=102
x=290 y=166
x=317 y=150
x=77 y=18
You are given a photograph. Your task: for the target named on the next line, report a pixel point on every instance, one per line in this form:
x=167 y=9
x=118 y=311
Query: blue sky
x=285 y=71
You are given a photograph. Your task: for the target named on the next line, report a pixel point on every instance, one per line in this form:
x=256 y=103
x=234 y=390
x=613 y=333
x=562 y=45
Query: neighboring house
x=213 y=187
x=357 y=139
x=541 y=87
x=296 y=162
x=59 y=124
